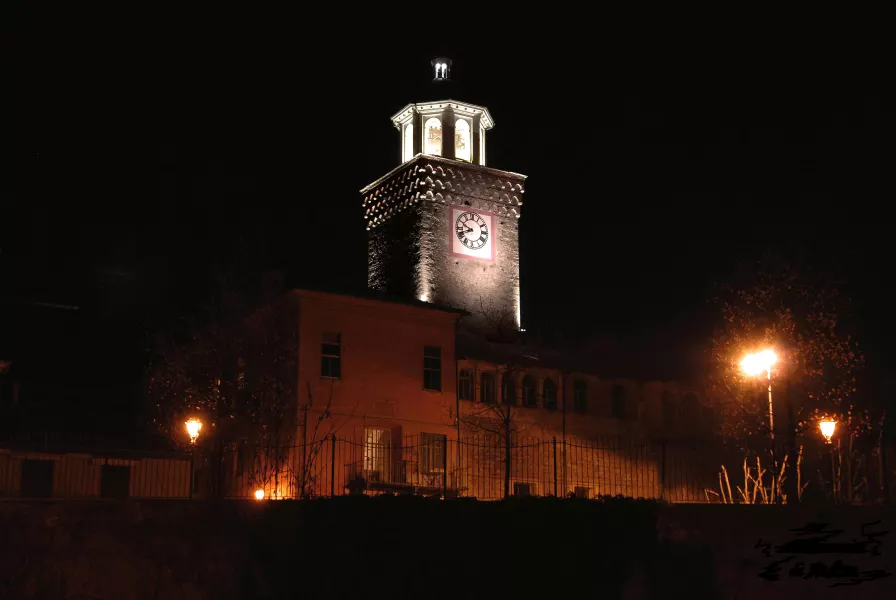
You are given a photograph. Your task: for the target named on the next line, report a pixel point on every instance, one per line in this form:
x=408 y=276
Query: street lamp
x=754 y=364
x=827 y=427
x=193 y=428
x=259 y=494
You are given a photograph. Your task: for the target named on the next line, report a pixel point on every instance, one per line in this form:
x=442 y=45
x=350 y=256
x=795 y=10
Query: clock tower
x=442 y=226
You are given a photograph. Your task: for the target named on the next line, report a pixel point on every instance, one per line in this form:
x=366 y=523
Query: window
x=37 y=478
x=580 y=397
x=487 y=388
x=482 y=146
x=465 y=385
x=432 y=453
x=331 y=356
x=530 y=392
x=115 y=481
x=408 y=141
x=549 y=393
x=508 y=389
x=463 y=148
x=522 y=489
x=377 y=447
x=432 y=137
x=432 y=368
x=617 y=399
x=669 y=411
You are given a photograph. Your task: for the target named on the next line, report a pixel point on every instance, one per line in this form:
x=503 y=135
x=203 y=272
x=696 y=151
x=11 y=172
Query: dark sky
x=144 y=159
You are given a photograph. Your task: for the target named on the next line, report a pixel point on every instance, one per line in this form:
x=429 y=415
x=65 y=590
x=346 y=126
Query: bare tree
x=314 y=436
x=495 y=419
x=234 y=367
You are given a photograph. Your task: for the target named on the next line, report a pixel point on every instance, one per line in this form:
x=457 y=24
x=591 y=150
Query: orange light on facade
x=193 y=428
x=827 y=427
x=259 y=494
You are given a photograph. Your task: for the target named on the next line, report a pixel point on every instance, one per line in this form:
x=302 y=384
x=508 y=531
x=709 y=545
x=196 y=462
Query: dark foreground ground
x=410 y=547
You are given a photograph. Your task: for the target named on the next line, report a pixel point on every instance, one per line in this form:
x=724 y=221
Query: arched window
x=465 y=385
x=670 y=411
x=508 y=389
x=549 y=393
x=408 y=141
x=432 y=137
x=463 y=148
x=580 y=397
x=530 y=392
x=617 y=401
x=487 y=388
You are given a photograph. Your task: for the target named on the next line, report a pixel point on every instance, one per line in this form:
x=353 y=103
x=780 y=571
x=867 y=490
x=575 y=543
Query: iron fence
x=473 y=467
x=480 y=467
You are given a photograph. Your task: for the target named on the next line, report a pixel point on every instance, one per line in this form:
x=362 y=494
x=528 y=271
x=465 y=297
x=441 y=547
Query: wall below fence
x=411 y=546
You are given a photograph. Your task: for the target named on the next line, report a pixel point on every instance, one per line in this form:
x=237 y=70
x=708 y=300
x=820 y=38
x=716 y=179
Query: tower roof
x=461 y=108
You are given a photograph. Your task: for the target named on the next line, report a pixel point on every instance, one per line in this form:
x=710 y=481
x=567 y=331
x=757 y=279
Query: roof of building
x=378 y=296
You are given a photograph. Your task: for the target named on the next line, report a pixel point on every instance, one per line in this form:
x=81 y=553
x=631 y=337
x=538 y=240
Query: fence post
x=333 y=465
x=444 y=466
x=662 y=469
x=554 y=447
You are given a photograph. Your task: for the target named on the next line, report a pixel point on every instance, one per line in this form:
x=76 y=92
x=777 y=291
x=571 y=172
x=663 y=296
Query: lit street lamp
x=827 y=427
x=259 y=494
x=753 y=365
x=193 y=428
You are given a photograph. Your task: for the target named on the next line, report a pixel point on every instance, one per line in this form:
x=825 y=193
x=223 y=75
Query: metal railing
x=473 y=467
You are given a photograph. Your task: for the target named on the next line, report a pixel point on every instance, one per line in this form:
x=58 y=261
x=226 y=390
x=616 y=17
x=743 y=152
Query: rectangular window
x=377 y=448
x=617 y=397
x=580 y=397
x=432 y=453
x=331 y=356
x=115 y=481
x=465 y=385
x=522 y=489
x=432 y=368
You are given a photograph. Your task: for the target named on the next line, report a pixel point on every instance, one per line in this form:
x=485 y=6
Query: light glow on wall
x=259 y=494
x=462 y=146
x=432 y=137
x=408 y=142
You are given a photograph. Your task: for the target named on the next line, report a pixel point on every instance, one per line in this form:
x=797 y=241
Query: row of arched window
x=488 y=390
x=686 y=412
x=432 y=139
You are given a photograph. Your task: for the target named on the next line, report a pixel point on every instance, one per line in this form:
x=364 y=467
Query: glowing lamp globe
x=259 y=494
x=194 y=426
x=827 y=427
x=759 y=362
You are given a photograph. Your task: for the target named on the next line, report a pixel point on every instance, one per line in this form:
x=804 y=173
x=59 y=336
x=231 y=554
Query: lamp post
x=753 y=365
x=193 y=426
x=828 y=426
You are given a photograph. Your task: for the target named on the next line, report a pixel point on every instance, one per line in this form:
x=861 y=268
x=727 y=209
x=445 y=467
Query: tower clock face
x=471 y=229
x=472 y=233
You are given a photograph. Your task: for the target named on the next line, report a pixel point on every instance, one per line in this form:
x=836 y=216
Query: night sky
x=144 y=162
